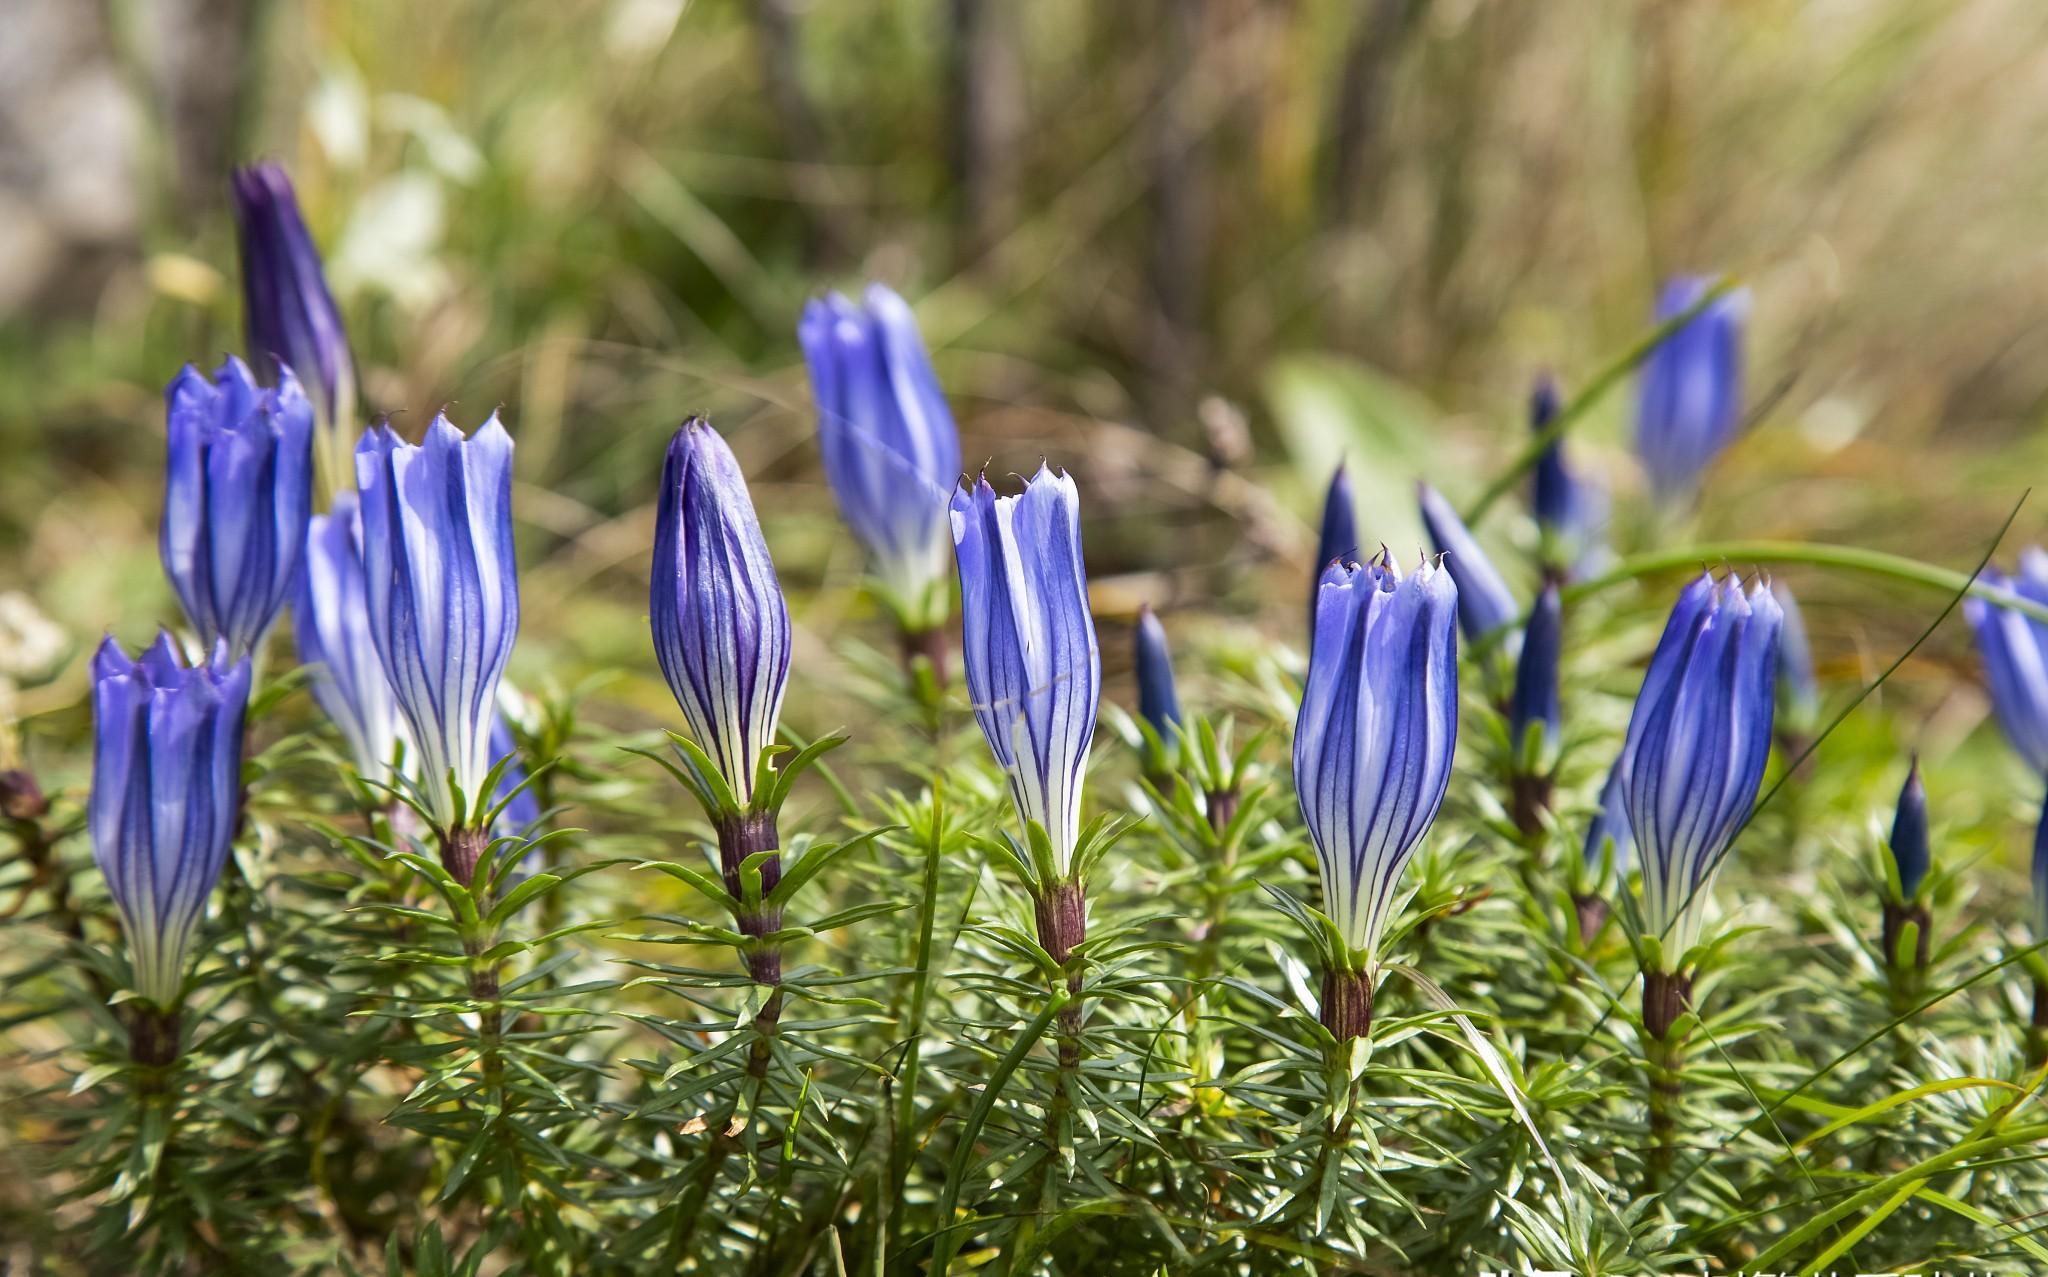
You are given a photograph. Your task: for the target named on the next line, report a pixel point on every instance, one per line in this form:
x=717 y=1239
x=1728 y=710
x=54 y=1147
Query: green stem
x=1340 y=1096
x=1667 y=1089
x=689 y=1206
x=1666 y=997
x=1207 y=956
x=490 y=1015
x=1062 y=924
x=1582 y=403
x=1844 y=557
x=947 y=1241
x=906 y=1099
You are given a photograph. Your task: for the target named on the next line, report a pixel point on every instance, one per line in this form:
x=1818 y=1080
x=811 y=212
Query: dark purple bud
x=1570 y=509
x=1338 y=540
x=1536 y=698
x=1910 y=850
x=289 y=313
x=1158 y=703
x=1484 y=601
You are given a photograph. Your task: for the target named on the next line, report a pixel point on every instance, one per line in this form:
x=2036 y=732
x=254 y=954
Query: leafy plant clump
x=931 y=995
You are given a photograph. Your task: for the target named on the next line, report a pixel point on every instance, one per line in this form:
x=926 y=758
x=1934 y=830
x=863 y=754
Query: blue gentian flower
x=289 y=313
x=1798 y=688
x=443 y=593
x=1697 y=742
x=1611 y=821
x=1536 y=699
x=1691 y=389
x=2040 y=876
x=1571 y=511
x=237 y=494
x=721 y=626
x=523 y=812
x=1377 y=728
x=1909 y=845
x=1033 y=667
x=892 y=454
x=1556 y=492
x=166 y=794
x=331 y=617
x=1484 y=601
x=1158 y=702
x=2014 y=649
x=1337 y=538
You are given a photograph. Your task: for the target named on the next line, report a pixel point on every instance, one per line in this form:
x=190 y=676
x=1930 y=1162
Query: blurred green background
x=1194 y=250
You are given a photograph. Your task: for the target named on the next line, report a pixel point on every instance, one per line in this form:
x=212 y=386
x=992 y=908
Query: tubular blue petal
x=1697 y=743
x=721 y=626
x=237 y=497
x=442 y=591
x=523 y=812
x=1158 y=702
x=2040 y=876
x=167 y=762
x=1484 y=601
x=2014 y=649
x=1033 y=667
x=1611 y=821
x=1798 y=688
x=1375 y=736
x=892 y=454
x=331 y=618
x=1690 y=401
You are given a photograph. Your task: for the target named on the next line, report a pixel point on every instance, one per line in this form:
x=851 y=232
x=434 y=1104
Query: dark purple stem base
x=153 y=1037
x=929 y=644
x=739 y=837
x=1896 y=916
x=1347 y=1004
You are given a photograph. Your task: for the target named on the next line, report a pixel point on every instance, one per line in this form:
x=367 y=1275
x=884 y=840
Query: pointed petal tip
x=233 y=369
x=493 y=428
x=378 y=440
x=288 y=383
x=884 y=300
x=110 y=660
